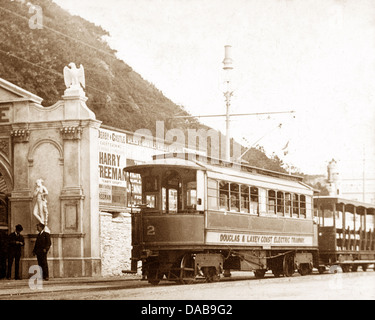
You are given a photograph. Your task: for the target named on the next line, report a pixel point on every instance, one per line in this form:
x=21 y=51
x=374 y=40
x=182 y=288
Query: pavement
x=14 y=288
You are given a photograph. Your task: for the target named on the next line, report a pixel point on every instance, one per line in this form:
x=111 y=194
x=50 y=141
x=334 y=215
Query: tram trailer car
x=346 y=233
x=205 y=217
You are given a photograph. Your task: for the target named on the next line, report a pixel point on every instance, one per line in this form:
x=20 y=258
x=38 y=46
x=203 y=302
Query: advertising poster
x=112 y=161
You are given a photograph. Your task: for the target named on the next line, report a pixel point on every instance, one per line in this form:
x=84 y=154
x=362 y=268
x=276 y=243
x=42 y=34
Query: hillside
x=34 y=60
x=36 y=57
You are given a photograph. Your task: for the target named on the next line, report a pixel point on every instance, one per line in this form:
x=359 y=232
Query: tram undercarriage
x=345 y=261
x=186 y=267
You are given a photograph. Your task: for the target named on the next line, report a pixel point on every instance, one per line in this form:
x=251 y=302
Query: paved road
x=348 y=286
x=336 y=286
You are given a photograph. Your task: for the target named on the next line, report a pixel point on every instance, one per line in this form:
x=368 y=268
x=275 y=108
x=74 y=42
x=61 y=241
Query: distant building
x=358 y=188
x=333 y=181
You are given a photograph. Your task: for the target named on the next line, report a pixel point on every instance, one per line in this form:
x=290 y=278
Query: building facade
x=58 y=145
x=80 y=162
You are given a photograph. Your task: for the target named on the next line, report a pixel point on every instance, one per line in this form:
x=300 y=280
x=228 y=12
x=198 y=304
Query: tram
x=205 y=217
x=346 y=233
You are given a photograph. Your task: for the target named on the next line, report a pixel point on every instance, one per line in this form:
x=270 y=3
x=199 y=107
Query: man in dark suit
x=42 y=245
x=15 y=244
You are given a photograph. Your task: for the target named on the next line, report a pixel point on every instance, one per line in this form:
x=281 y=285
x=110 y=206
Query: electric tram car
x=345 y=233
x=204 y=217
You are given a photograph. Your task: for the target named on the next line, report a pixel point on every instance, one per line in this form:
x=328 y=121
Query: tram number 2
x=150 y=230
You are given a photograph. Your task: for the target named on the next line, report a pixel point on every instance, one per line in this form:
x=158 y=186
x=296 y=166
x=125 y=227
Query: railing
x=355 y=240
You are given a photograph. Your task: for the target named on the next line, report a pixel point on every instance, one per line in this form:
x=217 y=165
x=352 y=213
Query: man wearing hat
x=42 y=245
x=15 y=243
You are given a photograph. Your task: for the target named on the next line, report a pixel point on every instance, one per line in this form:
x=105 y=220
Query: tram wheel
x=259 y=274
x=335 y=268
x=345 y=268
x=288 y=265
x=321 y=270
x=210 y=274
x=364 y=267
x=355 y=268
x=304 y=269
x=153 y=276
x=227 y=273
x=187 y=275
x=277 y=272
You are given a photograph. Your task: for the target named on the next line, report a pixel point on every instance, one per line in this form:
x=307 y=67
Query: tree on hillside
x=34 y=59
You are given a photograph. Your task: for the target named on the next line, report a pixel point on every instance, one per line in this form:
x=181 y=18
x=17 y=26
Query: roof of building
x=19 y=93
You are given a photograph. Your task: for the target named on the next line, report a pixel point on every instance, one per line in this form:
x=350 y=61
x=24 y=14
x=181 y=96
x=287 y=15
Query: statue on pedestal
x=40 y=210
x=74 y=78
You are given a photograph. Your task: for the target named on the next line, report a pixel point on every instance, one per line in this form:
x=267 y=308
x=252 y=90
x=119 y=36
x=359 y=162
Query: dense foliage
x=34 y=60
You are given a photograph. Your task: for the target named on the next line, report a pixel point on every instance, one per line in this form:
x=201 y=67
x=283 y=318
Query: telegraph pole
x=228 y=92
x=363 y=175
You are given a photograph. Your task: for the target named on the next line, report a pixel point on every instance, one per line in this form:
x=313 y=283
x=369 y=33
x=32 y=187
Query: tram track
x=66 y=291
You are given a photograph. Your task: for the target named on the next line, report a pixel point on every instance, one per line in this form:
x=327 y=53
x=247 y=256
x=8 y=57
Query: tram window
x=339 y=217
x=370 y=222
x=164 y=199
x=357 y=221
x=271 y=201
x=349 y=220
x=302 y=206
x=224 y=195
x=320 y=216
x=151 y=201
x=172 y=200
x=295 y=208
x=212 y=194
x=328 y=217
x=280 y=202
x=288 y=205
x=234 y=197
x=171 y=192
x=316 y=211
x=191 y=195
x=254 y=200
x=245 y=203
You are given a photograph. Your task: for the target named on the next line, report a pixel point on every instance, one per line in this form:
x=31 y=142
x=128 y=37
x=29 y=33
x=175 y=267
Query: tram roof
x=209 y=162
x=236 y=170
x=202 y=162
x=333 y=199
x=169 y=162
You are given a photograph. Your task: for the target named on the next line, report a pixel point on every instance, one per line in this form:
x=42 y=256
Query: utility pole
x=364 y=176
x=228 y=93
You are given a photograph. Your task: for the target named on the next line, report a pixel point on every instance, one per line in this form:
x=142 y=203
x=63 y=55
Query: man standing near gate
x=15 y=244
x=42 y=245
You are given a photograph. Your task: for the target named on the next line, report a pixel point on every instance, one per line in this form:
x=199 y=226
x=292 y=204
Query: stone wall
x=115 y=237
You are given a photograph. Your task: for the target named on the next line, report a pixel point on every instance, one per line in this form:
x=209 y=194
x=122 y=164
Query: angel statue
x=40 y=203
x=73 y=77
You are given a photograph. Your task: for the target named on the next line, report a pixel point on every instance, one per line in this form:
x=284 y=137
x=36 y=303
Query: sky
x=313 y=57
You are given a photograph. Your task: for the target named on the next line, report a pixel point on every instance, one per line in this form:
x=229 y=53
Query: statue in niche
x=73 y=76
x=40 y=203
